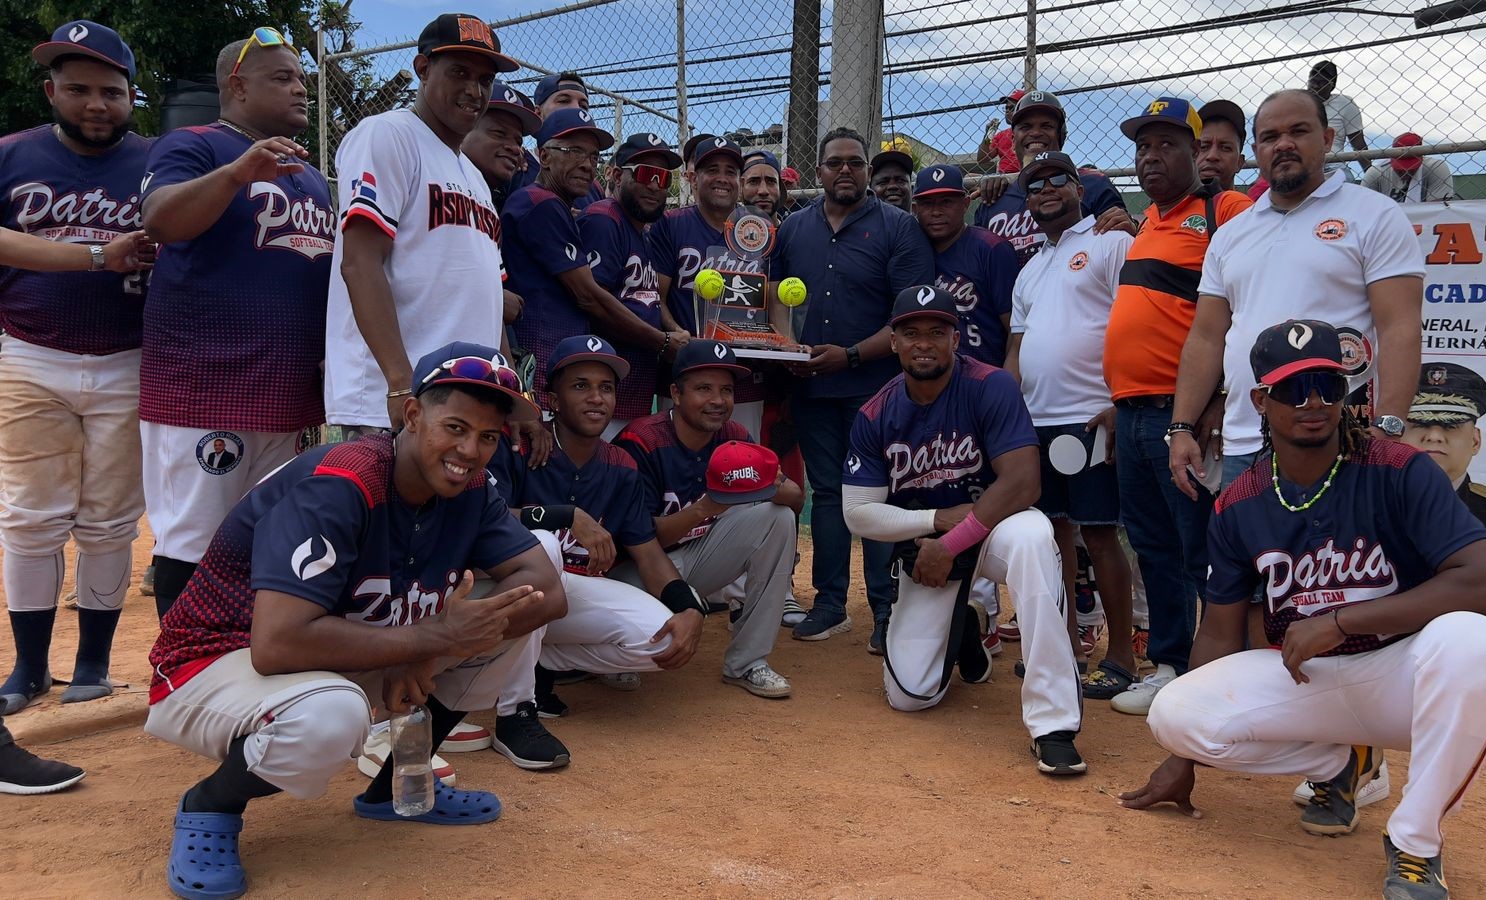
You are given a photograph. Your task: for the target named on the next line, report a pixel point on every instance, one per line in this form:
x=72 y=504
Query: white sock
x=103 y=578
x=33 y=583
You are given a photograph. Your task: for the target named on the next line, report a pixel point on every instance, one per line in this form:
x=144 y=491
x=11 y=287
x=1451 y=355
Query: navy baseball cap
x=713 y=146
x=739 y=472
x=570 y=120
x=1294 y=346
x=1224 y=111
x=690 y=146
x=467 y=32
x=474 y=365
x=585 y=348
x=1044 y=161
x=86 y=38
x=1165 y=110
x=924 y=301
x=647 y=144
x=562 y=81
x=504 y=98
x=755 y=157
x=1448 y=394
x=939 y=180
x=891 y=158
x=700 y=354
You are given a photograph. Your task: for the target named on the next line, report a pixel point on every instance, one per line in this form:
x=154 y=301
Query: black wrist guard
x=547 y=518
x=678 y=596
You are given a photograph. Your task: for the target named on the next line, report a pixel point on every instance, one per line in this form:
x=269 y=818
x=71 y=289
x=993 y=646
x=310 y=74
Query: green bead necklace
x=1274 y=470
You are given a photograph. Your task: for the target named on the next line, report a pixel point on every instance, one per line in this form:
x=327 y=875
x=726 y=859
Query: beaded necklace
x=1274 y=469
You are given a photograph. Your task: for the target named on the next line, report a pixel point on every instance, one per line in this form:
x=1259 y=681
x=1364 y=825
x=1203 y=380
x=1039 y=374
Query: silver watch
x=100 y=262
x=1390 y=425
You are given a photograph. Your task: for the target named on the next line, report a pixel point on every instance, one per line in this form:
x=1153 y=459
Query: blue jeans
x=1167 y=531
x=824 y=434
x=1236 y=465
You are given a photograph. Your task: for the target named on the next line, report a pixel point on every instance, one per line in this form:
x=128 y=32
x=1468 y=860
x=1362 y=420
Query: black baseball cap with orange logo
x=467 y=32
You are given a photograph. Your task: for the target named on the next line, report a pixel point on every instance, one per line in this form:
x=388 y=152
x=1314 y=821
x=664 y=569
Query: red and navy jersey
x=1388 y=521
x=607 y=487
x=542 y=242
x=234 y=327
x=1010 y=218
x=979 y=270
x=674 y=476
x=619 y=256
x=50 y=192
x=936 y=456
x=329 y=528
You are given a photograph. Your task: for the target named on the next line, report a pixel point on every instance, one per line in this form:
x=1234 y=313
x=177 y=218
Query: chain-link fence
x=933 y=76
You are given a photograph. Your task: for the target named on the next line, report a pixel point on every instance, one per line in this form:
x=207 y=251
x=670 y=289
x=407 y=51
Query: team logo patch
x=1331 y=230
x=719 y=351
x=472 y=30
x=1034 y=97
x=937 y=175
x=1196 y=224
x=1300 y=335
x=310 y=560
x=219 y=452
x=1079 y=261
x=594 y=259
x=747 y=473
x=1356 y=351
x=365 y=186
x=655 y=140
x=1435 y=376
x=77 y=33
x=595 y=345
x=853 y=463
x=1156 y=107
x=925 y=296
x=570 y=251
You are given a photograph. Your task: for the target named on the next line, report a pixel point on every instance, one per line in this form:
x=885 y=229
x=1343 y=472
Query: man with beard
x=494 y=146
x=943 y=460
x=69 y=361
x=1220 y=148
x=548 y=266
x=234 y=324
x=855 y=253
x=613 y=233
x=891 y=178
x=761 y=182
x=563 y=90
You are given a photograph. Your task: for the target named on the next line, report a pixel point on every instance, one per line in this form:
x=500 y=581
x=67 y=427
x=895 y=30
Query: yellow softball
x=709 y=284
x=791 y=292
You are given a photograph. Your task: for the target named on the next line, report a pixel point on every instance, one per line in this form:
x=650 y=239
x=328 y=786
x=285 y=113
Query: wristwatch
x=1390 y=425
x=100 y=262
x=853 y=357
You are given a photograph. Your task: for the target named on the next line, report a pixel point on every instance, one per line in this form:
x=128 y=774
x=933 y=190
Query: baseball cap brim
x=939 y=190
x=731 y=367
x=503 y=63
x=48 y=53
x=730 y=151
x=670 y=159
x=522 y=409
x=1131 y=127
x=924 y=314
x=1032 y=171
x=619 y=364
x=605 y=139
x=727 y=499
x=1276 y=375
x=531 y=123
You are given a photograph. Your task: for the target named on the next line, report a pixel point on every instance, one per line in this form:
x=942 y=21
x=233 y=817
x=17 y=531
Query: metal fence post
x=1029 y=65
x=683 y=131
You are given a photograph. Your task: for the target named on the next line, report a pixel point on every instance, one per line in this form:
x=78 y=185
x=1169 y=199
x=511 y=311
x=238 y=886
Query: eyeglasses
x=655 y=176
x=1036 y=185
x=856 y=164
x=493 y=372
x=262 y=37
x=569 y=151
x=1297 y=389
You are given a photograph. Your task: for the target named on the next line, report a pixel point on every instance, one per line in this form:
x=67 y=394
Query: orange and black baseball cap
x=467 y=32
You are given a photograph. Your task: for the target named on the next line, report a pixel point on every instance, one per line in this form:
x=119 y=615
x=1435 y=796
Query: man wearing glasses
x=855 y=253
x=341 y=581
x=562 y=90
x=234 y=322
x=613 y=233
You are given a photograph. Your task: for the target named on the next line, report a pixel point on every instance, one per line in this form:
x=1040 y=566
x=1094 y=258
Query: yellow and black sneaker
x=1413 y=877
x=1333 y=809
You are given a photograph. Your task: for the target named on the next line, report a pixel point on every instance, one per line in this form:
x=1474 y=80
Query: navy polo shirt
x=852 y=276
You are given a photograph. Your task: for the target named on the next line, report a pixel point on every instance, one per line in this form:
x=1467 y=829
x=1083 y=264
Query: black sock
x=443 y=721
x=228 y=789
x=95 y=639
x=171 y=576
x=33 y=641
x=546 y=680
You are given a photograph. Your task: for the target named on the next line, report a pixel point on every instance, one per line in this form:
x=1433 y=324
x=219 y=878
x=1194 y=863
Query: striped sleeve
x=376 y=171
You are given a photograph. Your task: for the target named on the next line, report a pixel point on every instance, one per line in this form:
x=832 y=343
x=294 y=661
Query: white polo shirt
x=1060 y=306
x=1312 y=262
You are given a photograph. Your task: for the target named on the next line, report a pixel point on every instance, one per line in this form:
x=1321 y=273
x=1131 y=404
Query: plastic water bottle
x=412 y=769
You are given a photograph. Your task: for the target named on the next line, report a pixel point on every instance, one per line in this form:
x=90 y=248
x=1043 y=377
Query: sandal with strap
x=204 y=864
x=1107 y=681
x=450 y=807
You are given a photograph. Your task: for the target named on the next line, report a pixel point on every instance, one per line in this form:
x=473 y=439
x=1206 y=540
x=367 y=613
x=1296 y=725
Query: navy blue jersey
x=234 y=325
x=329 y=527
x=619 y=256
x=529 y=176
x=50 y=192
x=542 y=242
x=1384 y=527
x=937 y=456
x=1009 y=218
x=673 y=475
x=607 y=487
x=979 y=270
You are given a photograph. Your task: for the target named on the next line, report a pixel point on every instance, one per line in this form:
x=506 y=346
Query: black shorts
x=1088 y=497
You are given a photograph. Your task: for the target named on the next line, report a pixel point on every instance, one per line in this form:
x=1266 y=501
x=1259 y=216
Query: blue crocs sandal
x=204 y=864
x=450 y=807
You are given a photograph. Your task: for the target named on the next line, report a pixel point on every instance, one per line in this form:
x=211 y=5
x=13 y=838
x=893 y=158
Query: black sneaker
x=23 y=772
x=1333 y=809
x=877 y=643
x=521 y=738
x=1056 y=754
x=550 y=706
x=819 y=624
x=1413 y=877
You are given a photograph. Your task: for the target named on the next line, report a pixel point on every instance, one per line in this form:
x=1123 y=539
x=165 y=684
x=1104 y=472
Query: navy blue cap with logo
x=473 y=365
x=585 y=348
x=755 y=157
x=924 y=301
x=83 y=37
x=939 y=179
x=570 y=120
x=700 y=354
x=647 y=144
x=714 y=146
x=559 y=81
x=504 y=98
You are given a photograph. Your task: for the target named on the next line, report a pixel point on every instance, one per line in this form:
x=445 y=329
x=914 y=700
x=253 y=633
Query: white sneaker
x=761 y=681
x=1372 y=792
x=1138 y=699
x=378 y=746
x=467 y=737
x=624 y=681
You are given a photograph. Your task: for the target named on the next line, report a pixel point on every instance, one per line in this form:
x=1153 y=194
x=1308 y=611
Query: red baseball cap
x=1407 y=163
x=789 y=175
x=740 y=472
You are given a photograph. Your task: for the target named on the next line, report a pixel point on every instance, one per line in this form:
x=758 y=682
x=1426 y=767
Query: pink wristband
x=964 y=535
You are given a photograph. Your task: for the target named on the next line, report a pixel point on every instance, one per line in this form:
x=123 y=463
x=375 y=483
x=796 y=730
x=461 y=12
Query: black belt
x=1146 y=401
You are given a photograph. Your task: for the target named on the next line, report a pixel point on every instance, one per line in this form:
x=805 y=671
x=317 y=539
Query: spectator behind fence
x=1342 y=114
x=996 y=149
x=1220 y=148
x=1412 y=179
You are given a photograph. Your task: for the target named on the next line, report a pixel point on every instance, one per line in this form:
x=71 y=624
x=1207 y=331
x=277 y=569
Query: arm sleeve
x=550 y=236
x=375 y=171
x=1231 y=578
x=308 y=543
x=1389 y=246
x=600 y=235
x=1435 y=517
x=175 y=158
x=912 y=261
x=870 y=516
x=501 y=537
x=1351 y=115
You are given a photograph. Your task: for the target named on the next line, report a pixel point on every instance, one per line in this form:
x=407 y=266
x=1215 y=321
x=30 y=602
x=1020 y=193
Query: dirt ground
x=692 y=787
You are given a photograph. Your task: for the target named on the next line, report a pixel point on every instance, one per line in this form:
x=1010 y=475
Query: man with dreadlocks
x=1371 y=569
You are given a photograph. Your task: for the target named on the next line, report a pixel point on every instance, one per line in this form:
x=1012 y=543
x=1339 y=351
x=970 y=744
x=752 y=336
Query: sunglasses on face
x=262 y=37
x=1036 y=185
x=856 y=164
x=1297 y=389
x=655 y=176
x=476 y=368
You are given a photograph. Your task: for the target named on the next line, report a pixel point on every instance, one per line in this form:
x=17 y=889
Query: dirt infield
x=690 y=786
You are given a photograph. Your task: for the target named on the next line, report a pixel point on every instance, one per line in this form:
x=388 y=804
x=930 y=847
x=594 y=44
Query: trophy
x=736 y=291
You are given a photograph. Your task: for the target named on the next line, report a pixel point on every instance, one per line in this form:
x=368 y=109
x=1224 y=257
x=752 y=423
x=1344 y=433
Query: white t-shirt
x=1343 y=115
x=1060 y=306
x=1312 y=262
x=445 y=268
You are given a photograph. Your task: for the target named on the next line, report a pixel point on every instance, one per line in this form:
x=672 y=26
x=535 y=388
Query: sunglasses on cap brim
x=1297 y=389
x=262 y=37
x=655 y=176
x=476 y=368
